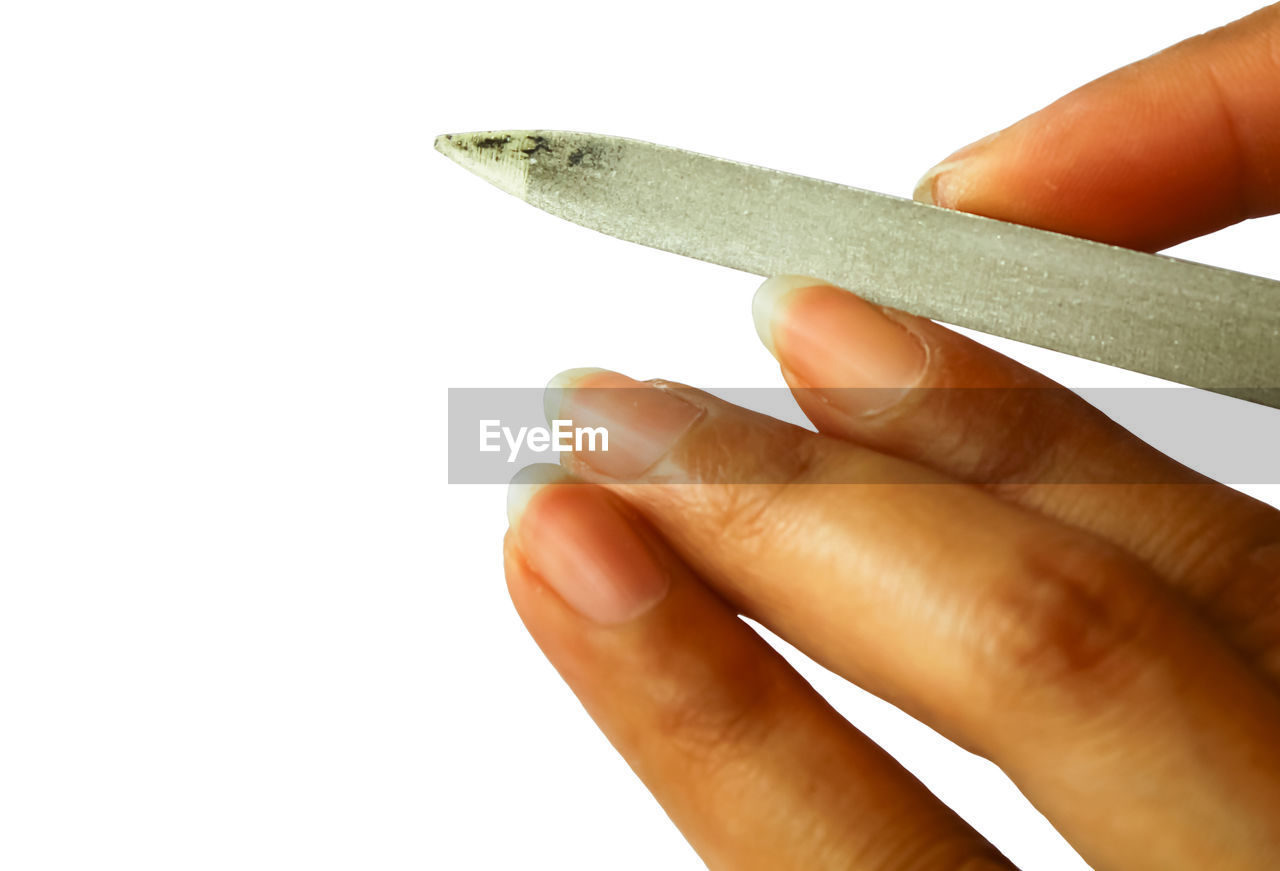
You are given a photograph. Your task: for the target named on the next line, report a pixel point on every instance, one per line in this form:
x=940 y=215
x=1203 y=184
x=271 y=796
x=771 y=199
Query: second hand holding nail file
x=1186 y=322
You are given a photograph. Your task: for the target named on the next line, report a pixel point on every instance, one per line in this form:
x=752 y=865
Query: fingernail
x=575 y=538
x=932 y=189
x=943 y=185
x=553 y=395
x=642 y=420
x=829 y=338
x=769 y=299
x=525 y=483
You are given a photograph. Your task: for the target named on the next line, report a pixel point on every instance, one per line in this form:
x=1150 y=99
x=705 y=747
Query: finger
x=1061 y=658
x=909 y=387
x=749 y=762
x=1172 y=147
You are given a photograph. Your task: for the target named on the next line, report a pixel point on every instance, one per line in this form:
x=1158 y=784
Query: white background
x=244 y=622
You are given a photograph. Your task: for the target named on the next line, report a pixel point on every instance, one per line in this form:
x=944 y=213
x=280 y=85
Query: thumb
x=1172 y=147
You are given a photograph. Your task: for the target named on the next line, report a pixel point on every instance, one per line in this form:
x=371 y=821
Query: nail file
x=1186 y=322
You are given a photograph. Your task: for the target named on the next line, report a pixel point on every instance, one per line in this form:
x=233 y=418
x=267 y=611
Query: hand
x=1113 y=647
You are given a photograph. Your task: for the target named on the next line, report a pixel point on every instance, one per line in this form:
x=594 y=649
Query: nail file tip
x=500 y=157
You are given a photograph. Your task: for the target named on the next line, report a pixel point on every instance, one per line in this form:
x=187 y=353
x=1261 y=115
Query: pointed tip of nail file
x=500 y=157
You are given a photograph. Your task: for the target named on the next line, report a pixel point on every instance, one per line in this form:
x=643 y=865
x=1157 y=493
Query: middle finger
x=983 y=418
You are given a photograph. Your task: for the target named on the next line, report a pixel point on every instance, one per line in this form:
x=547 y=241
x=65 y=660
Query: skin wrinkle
x=1241 y=156
x=712 y=451
x=1069 y=620
x=1046 y=432
x=1249 y=596
x=1213 y=562
x=726 y=712
x=1268 y=191
x=715 y=722
x=1235 y=57
x=1272 y=172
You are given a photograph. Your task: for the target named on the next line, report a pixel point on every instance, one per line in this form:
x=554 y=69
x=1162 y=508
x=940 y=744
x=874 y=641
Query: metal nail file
x=1186 y=322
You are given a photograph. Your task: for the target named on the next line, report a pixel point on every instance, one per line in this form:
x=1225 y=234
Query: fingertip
x=937 y=186
x=941 y=185
x=579 y=541
x=770 y=299
x=827 y=337
x=923 y=192
x=525 y=484
x=553 y=395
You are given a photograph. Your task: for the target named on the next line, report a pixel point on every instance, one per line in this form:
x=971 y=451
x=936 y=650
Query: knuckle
x=719 y=709
x=1247 y=601
x=750 y=514
x=1044 y=432
x=1070 y=619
